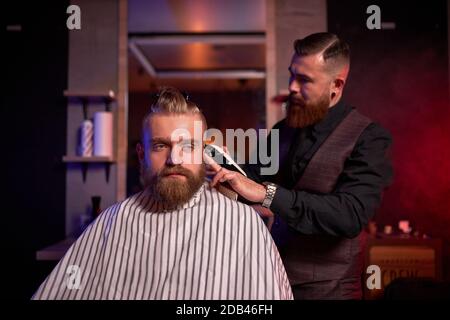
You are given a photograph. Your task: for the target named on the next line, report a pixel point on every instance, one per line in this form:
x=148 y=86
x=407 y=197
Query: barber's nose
x=294 y=86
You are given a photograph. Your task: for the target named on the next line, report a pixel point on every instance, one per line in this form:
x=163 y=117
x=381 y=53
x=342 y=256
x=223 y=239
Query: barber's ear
x=338 y=84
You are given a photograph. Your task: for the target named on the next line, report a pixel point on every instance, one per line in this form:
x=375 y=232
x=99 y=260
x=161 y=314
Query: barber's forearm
x=333 y=214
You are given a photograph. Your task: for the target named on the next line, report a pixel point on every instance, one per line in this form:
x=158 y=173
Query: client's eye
x=158 y=146
x=188 y=147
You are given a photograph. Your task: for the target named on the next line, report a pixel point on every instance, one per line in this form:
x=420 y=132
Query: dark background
x=34 y=124
x=398 y=77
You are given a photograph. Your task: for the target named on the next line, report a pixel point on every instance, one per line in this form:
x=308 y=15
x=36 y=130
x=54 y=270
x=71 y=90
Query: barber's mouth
x=296 y=101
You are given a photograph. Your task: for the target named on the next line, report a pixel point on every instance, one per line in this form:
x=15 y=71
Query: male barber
x=333 y=169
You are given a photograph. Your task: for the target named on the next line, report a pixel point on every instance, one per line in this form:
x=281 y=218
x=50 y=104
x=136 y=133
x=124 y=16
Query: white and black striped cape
x=210 y=248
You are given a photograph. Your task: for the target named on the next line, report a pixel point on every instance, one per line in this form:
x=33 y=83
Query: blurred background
x=232 y=58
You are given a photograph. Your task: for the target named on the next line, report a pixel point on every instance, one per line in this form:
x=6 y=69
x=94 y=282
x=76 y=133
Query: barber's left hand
x=266 y=214
x=245 y=187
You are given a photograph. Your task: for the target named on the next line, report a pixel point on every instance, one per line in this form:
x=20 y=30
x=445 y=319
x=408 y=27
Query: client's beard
x=301 y=114
x=171 y=192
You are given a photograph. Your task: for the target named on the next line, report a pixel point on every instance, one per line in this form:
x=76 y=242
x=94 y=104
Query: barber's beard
x=172 y=192
x=301 y=113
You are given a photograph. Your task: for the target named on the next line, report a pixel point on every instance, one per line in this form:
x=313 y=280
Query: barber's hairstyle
x=171 y=101
x=336 y=52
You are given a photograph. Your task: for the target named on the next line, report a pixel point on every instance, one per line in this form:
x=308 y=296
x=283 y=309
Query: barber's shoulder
x=373 y=130
x=374 y=137
x=376 y=131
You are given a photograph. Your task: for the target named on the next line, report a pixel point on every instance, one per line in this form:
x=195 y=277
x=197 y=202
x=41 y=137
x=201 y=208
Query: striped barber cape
x=209 y=248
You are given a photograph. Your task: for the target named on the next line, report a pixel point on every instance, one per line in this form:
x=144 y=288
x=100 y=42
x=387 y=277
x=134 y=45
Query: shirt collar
x=333 y=116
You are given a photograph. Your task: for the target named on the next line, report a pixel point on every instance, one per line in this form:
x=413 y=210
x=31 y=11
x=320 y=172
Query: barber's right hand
x=246 y=188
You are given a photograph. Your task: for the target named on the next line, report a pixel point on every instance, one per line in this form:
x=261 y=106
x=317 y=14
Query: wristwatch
x=271 y=188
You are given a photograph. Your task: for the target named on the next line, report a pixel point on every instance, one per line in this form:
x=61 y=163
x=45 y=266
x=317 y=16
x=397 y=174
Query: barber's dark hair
x=335 y=50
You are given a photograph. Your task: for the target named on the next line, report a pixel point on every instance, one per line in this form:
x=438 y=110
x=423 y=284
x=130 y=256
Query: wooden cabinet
x=402 y=258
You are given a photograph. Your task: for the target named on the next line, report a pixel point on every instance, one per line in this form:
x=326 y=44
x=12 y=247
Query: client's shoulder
x=132 y=203
x=236 y=206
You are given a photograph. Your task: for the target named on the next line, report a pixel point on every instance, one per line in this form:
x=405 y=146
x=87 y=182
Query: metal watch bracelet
x=271 y=188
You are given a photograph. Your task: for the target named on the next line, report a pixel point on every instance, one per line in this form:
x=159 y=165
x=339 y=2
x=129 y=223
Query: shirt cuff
x=282 y=201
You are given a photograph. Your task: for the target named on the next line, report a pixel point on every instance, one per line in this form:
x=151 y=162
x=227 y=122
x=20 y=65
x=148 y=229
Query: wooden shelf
x=110 y=95
x=85 y=161
x=92 y=159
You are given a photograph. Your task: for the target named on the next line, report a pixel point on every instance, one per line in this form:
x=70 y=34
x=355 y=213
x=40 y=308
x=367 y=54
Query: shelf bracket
x=107 y=171
x=107 y=104
x=84 y=167
x=84 y=101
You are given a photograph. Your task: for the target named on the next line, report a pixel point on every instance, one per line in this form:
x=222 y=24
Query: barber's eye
x=303 y=80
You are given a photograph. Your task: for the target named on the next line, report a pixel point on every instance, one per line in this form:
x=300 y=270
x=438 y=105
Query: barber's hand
x=262 y=211
x=266 y=214
x=245 y=187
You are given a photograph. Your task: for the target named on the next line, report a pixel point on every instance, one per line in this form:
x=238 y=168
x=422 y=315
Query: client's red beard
x=301 y=114
x=172 y=192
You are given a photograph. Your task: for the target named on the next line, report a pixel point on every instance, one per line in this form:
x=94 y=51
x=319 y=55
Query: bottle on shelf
x=86 y=139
